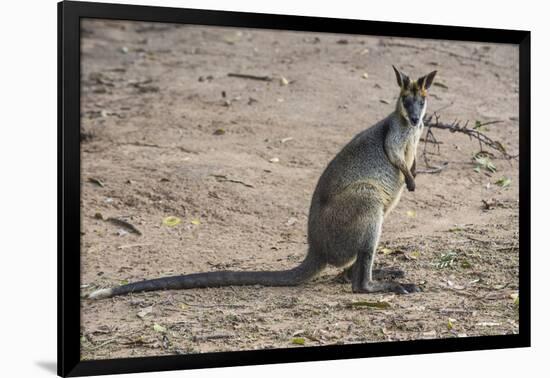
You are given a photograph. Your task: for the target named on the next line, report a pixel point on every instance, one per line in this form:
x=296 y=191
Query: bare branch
x=472 y=132
x=432 y=122
x=434 y=169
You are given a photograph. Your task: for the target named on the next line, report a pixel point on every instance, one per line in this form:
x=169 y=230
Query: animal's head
x=411 y=103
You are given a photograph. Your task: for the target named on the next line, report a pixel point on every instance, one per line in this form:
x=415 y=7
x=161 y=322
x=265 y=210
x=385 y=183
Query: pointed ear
x=402 y=80
x=425 y=82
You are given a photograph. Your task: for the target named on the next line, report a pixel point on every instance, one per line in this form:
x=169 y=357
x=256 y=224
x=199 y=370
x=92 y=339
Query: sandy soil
x=166 y=132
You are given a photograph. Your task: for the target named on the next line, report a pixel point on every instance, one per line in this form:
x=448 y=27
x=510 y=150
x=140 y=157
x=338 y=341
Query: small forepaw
x=411 y=186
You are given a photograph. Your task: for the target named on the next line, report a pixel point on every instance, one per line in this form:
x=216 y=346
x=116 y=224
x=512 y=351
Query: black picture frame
x=69 y=15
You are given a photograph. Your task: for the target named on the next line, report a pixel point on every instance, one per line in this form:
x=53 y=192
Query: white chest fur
x=412 y=145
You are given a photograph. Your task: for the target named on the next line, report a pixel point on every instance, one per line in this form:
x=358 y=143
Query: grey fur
x=354 y=195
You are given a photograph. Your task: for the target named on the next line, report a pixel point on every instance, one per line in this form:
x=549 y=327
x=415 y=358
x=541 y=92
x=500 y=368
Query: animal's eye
x=407 y=100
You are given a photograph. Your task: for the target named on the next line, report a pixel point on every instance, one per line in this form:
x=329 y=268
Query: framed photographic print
x=241 y=188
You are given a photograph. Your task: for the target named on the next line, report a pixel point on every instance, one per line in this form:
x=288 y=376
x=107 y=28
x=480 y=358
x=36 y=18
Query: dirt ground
x=166 y=132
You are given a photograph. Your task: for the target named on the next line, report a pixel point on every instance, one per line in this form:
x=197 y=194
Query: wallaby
x=356 y=191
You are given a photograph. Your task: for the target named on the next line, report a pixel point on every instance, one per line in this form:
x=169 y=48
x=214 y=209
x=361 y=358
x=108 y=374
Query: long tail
x=309 y=268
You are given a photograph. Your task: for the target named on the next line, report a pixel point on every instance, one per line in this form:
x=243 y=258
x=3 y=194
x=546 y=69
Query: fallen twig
x=432 y=122
x=213 y=337
x=109 y=341
x=224 y=178
x=121 y=222
x=133 y=245
x=433 y=170
x=471 y=132
x=96 y=181
x=142 y=144
x=430 y=137
x=214 y=306
x=252 y=77
x=454 y=310
x=473 y=238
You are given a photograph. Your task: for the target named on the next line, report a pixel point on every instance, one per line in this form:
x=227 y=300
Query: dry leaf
x=219 y=132
x=504 y=182
x=171 y=221
x=291 y=221
x=143 y=313
x=515 y=298
x=298 y=341
x=450 y=323
x=159 y=328
x=414 y=255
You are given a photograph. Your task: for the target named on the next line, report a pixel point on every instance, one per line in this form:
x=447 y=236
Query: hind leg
x=362 y=274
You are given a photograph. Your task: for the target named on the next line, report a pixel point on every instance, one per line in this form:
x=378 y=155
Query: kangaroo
x=357 y=190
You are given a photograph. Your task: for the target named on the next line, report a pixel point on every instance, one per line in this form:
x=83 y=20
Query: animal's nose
x=414 y=120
